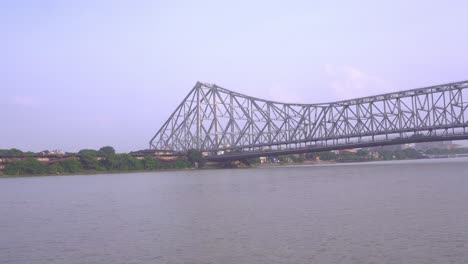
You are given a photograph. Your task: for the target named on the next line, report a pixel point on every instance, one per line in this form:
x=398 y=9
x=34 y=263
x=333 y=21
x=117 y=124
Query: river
x=379 y=212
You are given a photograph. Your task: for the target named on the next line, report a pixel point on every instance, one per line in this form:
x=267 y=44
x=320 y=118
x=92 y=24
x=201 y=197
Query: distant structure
x=437 y=145
x=51 y=152
x=393 y=147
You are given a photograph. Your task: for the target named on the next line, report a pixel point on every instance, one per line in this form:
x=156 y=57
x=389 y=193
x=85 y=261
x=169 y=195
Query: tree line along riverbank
x=106 y=160
x=88 y=161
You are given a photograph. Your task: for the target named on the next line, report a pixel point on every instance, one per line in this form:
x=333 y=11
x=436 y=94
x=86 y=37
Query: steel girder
x=214 y=119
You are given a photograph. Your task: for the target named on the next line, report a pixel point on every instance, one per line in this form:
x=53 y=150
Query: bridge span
x=229 y=125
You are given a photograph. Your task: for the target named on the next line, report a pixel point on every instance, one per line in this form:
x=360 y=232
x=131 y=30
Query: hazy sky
x=84 y=74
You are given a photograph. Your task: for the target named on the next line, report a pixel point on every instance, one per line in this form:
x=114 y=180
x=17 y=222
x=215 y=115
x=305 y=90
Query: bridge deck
x=277 y=152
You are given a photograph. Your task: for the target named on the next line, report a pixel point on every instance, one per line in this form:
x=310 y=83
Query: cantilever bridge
x=229 y=125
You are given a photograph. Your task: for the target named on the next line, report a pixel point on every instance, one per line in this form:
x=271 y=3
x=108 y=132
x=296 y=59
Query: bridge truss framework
x=219 y=121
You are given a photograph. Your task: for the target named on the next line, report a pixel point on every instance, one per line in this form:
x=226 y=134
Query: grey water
x=379 y=212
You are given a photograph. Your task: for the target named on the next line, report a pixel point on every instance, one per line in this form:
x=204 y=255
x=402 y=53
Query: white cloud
x=347 y=82
x=274 y=91
x=279 y=93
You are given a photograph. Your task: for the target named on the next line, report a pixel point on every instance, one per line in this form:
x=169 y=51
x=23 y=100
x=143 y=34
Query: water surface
x=381 y=212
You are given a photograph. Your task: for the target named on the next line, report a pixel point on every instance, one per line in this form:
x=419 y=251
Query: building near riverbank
x=448 y=145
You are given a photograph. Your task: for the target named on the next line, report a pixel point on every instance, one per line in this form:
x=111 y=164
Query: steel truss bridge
x=228 y=125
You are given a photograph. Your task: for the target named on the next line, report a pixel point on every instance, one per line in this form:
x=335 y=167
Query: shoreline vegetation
x=106 y=161
x=90 y=173
x=87 y=161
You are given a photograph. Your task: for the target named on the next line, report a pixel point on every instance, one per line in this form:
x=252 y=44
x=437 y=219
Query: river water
x=380 y=212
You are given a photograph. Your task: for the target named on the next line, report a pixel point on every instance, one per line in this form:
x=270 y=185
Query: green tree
x=13 y=168
x=15 y=152
x=28 y=166
x=88 y=152
x=56 y=168
x=411 y=153
x=284 y=159
x=399 y=154
x=123 y=162
x=111 y=162
x=349 y=156
x=89 y=160
x=326 y=155
x=296 y=159
x=181 y=164
x=194 y=156
x=166 y=165
x=107 y=151
x=11 y=152
x=386 y=154
x=362 y=153
x=251 y=161
x=149 y=163
x=71 y=165
x=134 y=163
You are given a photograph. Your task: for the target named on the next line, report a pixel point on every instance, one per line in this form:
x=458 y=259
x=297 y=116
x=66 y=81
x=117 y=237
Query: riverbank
x=88 y=162
x=305 y=163
x=94 y=172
